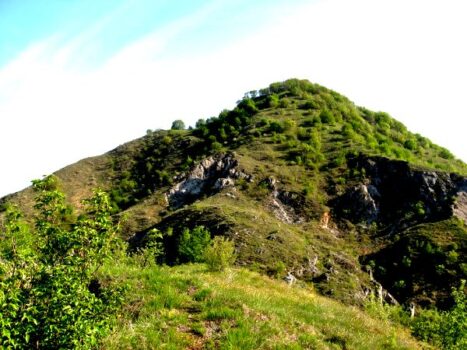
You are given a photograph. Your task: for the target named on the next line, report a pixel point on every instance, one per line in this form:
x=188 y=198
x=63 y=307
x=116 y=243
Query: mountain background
x=298 y=176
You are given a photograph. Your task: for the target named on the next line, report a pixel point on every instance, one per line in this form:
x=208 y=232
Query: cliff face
x=392 y=194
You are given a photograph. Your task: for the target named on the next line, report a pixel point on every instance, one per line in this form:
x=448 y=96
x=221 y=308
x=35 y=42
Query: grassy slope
x=187 y=307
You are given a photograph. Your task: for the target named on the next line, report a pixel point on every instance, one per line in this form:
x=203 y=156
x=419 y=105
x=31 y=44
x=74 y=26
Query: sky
x=80 y=77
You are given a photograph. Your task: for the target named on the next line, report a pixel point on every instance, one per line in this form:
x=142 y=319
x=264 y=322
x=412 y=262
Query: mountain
x=304 y=182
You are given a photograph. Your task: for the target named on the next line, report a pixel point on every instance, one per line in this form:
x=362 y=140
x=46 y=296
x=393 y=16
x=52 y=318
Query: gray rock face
x=365 y=207
x=459 y=207
x=285 y=205
x=222 y=183
x=394 y=193
x=209 y=176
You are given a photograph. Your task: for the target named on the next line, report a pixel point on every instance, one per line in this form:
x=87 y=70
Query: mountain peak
x=297 y=175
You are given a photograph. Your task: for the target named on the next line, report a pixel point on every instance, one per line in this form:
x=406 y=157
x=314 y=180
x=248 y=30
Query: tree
x=50 y=297
x=178 y=125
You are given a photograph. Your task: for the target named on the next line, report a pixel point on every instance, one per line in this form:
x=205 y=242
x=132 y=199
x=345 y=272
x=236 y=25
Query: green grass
x=187 y=307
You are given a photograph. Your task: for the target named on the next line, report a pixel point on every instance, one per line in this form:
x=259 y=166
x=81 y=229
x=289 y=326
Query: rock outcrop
x=391 y=192
x=459 y=207
x=287 y=206
x=209 y=176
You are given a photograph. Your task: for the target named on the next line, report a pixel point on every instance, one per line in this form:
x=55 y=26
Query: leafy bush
x=446 y=329
x=276 y=127
x=216 y=146
x=49 y=294
x=410 y=144
x=288 y=124
x=309 y=104
x=273 y=100
x=444 y=153
x=248 y=105
x=386 y=312
x=220 y=254
x=192 y=244
x=327 y=117
x=278 y=269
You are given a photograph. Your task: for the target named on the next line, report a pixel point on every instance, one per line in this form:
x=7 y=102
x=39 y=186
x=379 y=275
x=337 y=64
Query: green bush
x=410 y=144
x=216 y=146
x=50 y=297
x=327 y=117
x=220 y=254
x=446 y=329
x=248 y=105
x=276 y=127
x=444 y=153
x=273 y=100
x=146 y=255
x=288 y=124
x=278 y=269
x=192 y=244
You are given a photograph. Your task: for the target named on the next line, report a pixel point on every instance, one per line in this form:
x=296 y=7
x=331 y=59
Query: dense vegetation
x=50 y=297
x=296 y=149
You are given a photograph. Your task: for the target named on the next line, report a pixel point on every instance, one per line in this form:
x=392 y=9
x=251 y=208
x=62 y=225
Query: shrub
x=192 y=244
x=146 y=256
x=289 y=124
x=420 y=208
x=383 y=119
x=167 y=140
x=273 y=100
x=445 y=154
x=220 y=254
x=50 y=296
x=284 y=103
x=278 y=269
x=216 y=146
x=410 y=144
x=327 y=117
x=309 y=104
x=249 y=106
x=446 y=329
x=276 y=127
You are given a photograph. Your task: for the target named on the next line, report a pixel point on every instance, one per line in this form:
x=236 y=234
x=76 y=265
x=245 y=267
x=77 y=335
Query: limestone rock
x=210 y=176
x=393 y=193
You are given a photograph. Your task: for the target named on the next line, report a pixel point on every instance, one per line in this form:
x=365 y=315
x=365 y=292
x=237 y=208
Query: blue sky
x=78 y=78
x=105 y=27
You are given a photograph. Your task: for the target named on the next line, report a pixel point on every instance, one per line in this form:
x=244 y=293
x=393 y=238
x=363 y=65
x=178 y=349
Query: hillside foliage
x=50 y=297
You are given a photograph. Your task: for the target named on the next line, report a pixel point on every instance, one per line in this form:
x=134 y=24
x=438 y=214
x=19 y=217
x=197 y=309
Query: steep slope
x=304 y=182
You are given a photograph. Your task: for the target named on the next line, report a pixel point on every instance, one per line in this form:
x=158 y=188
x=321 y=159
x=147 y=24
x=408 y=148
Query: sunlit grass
x=187 y=307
